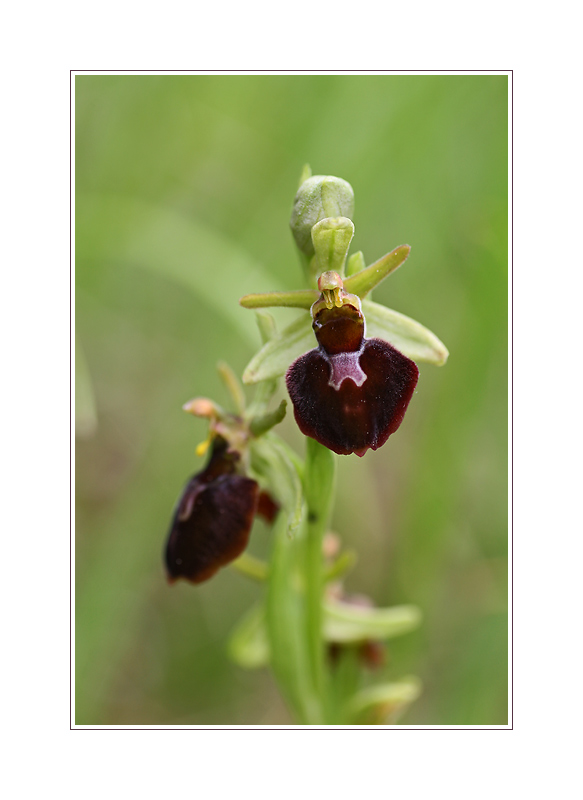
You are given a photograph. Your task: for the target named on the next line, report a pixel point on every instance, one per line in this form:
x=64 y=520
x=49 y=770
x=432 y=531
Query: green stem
x=319 y=483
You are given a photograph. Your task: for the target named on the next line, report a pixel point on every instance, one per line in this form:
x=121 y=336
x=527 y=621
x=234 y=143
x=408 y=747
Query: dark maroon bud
x=267 y=507
x=372 y=654
x=213 y=518
x=350 y=393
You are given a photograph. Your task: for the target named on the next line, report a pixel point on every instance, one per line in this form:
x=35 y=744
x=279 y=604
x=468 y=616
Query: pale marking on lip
x=343 y=366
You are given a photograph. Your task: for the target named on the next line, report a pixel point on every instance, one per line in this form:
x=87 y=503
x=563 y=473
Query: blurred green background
x=184 y=185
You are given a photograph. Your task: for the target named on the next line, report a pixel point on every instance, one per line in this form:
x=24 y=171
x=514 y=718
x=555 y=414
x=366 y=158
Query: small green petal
x=348 y=623
x=297 y=299
x=275 y=357
x=409 y=337
x=355 y=263
x=366 y=280
x=331 y=238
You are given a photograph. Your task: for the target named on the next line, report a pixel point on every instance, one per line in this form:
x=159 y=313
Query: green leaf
x=275 y=357
x=383 y=704
x=404 y=333
x=349 y=623
x=248 y=645
x=363 y=282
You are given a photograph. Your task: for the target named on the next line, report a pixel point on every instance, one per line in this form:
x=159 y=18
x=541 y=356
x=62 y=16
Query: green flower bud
x=319 y=197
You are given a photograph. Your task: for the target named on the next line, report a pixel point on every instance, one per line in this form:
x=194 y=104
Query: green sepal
x=383 y=704
x=303 y=298
x=344 y=623
x=261 y=424
x=408 y=336
x=275 y=357
x=365 y=281
x=331 y=238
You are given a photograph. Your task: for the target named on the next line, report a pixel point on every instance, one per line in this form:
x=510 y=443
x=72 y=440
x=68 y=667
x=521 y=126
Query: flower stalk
x=319 y=486
x=350 y=371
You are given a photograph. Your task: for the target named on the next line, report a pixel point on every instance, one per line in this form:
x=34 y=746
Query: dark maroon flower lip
x=350 y=393
x=213 y=518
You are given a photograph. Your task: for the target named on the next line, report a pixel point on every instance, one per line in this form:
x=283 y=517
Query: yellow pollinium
x=332 y=288
x=333 y=295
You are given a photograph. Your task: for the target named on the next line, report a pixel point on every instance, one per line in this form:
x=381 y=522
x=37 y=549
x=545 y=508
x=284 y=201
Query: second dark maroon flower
x=213 y=518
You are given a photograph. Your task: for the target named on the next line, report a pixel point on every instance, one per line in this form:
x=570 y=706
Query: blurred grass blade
x=182 y=249
x=349 y=623
x=408 y=336
x=85 y=407
x=276 y=356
